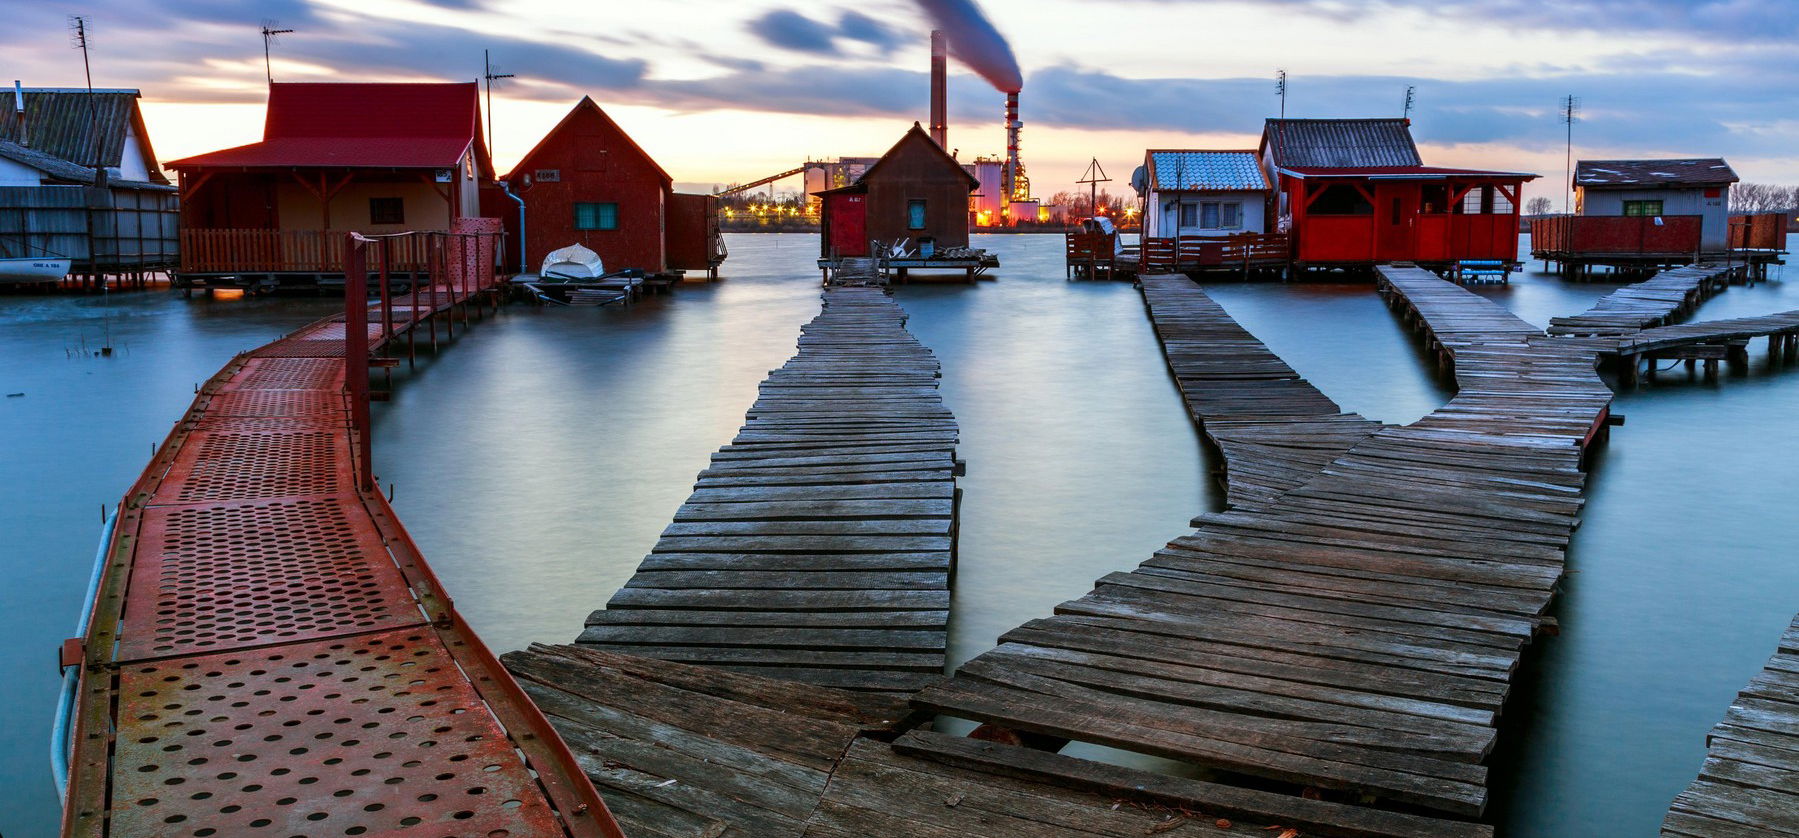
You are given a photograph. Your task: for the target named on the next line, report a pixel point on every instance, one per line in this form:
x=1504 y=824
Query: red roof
x=381 y=125
x=1397 y=172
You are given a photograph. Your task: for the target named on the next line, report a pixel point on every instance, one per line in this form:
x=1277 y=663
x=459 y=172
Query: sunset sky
x=730 y=90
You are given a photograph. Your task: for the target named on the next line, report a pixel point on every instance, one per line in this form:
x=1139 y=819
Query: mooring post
x=356 y=354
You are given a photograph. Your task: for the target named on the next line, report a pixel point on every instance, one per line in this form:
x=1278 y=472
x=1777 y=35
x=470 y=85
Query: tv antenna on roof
x=1280 y=89
x=269 y=36
x=1570 y=115
x=1411 y=91
x=490 y=73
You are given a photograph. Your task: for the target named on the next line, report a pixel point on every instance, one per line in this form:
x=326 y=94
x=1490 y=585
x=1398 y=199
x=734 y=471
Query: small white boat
x=32 y=269
x=572 y=262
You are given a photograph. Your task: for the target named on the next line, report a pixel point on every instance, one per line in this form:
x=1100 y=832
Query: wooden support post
x=1627 y=370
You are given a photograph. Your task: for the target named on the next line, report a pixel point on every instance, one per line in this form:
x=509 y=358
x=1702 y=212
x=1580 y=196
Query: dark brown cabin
x=916 y=191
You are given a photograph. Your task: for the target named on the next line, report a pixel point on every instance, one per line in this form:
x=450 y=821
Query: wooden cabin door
x=849 y=224
x=1395 y=221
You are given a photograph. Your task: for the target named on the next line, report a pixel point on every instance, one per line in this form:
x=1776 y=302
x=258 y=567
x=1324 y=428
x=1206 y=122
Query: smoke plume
x=973 y=39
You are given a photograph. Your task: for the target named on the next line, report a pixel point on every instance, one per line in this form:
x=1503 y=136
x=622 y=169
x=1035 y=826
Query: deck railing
x=1188 y=252
x=1615 y=234
x=205 y=251
x=1759 y=231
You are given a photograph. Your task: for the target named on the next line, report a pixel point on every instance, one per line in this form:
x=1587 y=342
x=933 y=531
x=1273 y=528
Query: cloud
x=791 y=30
x=788 y=29
x=1757 y=20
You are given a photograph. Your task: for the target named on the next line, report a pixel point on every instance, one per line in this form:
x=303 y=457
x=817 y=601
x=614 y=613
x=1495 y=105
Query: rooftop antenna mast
x=1411 y=92
x=488 y=73
x=1280 y=89
x=1093 y=177
x=78 y=34
x=1570 y=115
x=269 y=35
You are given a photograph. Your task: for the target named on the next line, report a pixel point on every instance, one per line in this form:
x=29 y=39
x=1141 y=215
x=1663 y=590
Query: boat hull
x=15 y=271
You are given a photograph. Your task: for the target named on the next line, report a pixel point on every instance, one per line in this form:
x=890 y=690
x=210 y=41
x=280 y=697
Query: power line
x=1570 y=115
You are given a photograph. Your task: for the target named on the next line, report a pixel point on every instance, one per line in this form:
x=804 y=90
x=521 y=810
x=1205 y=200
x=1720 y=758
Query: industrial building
x=79 y=181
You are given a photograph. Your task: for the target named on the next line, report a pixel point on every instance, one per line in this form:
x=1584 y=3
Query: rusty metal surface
x=229 y=465
x=377 y=734
x=270 y=655
x=222 y=577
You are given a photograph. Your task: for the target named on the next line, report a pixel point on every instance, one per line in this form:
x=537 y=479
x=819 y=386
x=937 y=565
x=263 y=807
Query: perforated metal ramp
x=269 y=654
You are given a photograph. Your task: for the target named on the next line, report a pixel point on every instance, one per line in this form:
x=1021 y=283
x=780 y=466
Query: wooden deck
x=819 y=545
x=1662 y=299
x=269 y=650
x=1273 y=428
x=1356 y=633
x=1749 y=784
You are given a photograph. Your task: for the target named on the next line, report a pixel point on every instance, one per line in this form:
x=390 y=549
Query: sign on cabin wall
x=548 y=175
x=446 y=175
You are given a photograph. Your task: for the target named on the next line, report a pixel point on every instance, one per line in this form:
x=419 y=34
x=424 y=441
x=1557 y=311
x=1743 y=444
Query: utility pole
x=1093 y=177
x=1570 y=115
x=1280 y=89
x=487 y=73
x=1410 y=98
x=269 y=33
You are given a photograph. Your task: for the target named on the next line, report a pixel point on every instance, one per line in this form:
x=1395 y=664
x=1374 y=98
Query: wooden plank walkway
x=682 y=751
x=1357 y=633
x=1659 y=300
x=1784 y=325
x=819 y=545
x=269 y=653
x=1749 y=784
x=1273 y=428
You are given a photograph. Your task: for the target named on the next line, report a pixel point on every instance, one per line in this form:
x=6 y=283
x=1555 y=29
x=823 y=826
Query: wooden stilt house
x=372 y=158
x=588 y=183
x=916 y=193
x=79 y=181
x=1354 y=192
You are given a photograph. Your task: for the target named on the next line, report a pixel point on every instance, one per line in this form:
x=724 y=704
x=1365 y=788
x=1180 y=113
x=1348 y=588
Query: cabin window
x=1485 y=200
x=387 y=211
x=595 y=216
x=1433 y=199
x=915 y=214
x=1642 y=208
x=1213 y=215
x=1340 y=199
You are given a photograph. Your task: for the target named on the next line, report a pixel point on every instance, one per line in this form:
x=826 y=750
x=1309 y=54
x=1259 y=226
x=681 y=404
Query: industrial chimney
x=939 y=88
x=1010 y=175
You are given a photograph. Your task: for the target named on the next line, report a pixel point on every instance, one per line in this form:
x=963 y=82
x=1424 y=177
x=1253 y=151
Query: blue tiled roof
x=1189 y=171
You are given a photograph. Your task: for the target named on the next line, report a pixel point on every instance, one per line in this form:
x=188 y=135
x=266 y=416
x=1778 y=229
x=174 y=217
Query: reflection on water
x=536 y=461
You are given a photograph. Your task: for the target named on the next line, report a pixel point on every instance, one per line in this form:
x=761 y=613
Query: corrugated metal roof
x=65 y=122
x=1199 y=171
x=1341 y=143
x=1400 y=172
x=1691 y=171
x=49 y=164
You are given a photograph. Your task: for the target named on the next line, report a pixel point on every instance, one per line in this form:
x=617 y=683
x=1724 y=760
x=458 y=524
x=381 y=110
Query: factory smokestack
x=939 y=88
x=974 y=40
x=1010 y=176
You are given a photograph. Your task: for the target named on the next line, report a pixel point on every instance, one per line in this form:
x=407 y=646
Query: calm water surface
x=537 y=460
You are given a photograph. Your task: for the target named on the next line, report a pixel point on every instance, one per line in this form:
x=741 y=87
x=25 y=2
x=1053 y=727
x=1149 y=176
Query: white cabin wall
x=18 y=174
x=132 y=165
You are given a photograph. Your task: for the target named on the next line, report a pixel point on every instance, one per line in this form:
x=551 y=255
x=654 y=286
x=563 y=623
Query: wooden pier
x=269 y=653
x=1660 y=300
x=1749 y=784
x=819 y=544
x=1273 y=428
x=1336 y=647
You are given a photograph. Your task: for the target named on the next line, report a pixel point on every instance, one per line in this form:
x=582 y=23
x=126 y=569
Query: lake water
x=537 y=459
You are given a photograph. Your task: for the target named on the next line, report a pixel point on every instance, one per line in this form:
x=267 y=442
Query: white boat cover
x=573 y=261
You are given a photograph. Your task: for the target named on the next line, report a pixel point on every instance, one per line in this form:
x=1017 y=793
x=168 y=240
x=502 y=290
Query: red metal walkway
x=270 y=655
